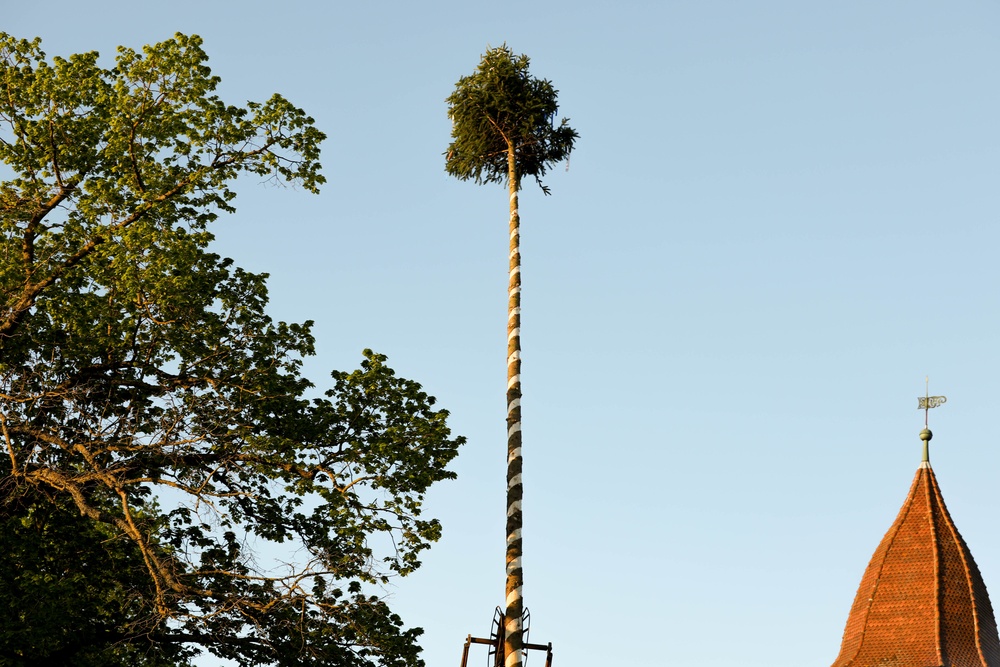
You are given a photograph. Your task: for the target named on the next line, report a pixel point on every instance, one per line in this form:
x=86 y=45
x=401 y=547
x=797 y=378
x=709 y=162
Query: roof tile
x=922 y=601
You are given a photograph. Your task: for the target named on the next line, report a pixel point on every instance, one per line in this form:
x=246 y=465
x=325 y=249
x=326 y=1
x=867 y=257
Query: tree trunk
x=513 y=635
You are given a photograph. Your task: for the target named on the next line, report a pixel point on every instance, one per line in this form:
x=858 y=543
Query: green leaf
x=500 y=111
x=159 y=437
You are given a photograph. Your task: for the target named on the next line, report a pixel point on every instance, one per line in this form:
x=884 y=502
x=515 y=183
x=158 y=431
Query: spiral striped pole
x=514 y=602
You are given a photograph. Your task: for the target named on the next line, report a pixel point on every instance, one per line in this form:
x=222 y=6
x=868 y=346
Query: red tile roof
x=922 y=601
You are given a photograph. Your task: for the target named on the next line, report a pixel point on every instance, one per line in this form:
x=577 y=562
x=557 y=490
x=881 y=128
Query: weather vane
x=926 y=402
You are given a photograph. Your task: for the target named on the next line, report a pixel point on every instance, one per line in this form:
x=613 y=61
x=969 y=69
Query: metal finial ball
x=926 y=435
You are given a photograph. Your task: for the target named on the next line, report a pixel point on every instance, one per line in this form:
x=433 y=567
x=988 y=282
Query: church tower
x=922 y=601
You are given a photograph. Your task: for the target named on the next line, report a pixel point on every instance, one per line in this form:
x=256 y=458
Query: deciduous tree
x=503 y=129
x=168 y=473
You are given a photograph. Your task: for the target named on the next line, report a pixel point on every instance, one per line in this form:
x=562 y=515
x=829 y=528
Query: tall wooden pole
x=513 y=632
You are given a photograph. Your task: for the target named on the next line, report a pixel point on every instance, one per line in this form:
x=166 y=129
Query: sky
x=780 y=217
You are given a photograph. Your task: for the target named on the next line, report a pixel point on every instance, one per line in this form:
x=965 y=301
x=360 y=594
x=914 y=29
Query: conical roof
x=922 y=601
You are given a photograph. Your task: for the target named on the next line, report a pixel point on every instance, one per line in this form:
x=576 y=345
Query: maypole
x=514 y=599
x=503 y=128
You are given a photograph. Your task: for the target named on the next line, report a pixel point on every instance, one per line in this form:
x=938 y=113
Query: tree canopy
x=171 y=483
x=501 y=111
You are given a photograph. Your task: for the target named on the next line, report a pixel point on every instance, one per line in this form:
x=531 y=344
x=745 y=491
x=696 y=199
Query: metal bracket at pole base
x=496 y=656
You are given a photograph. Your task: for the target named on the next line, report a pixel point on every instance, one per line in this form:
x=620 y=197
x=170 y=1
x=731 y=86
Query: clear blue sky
x=780 y=217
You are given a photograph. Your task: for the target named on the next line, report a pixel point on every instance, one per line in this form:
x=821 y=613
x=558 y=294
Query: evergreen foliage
x=501 y=110
x=168 y=485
